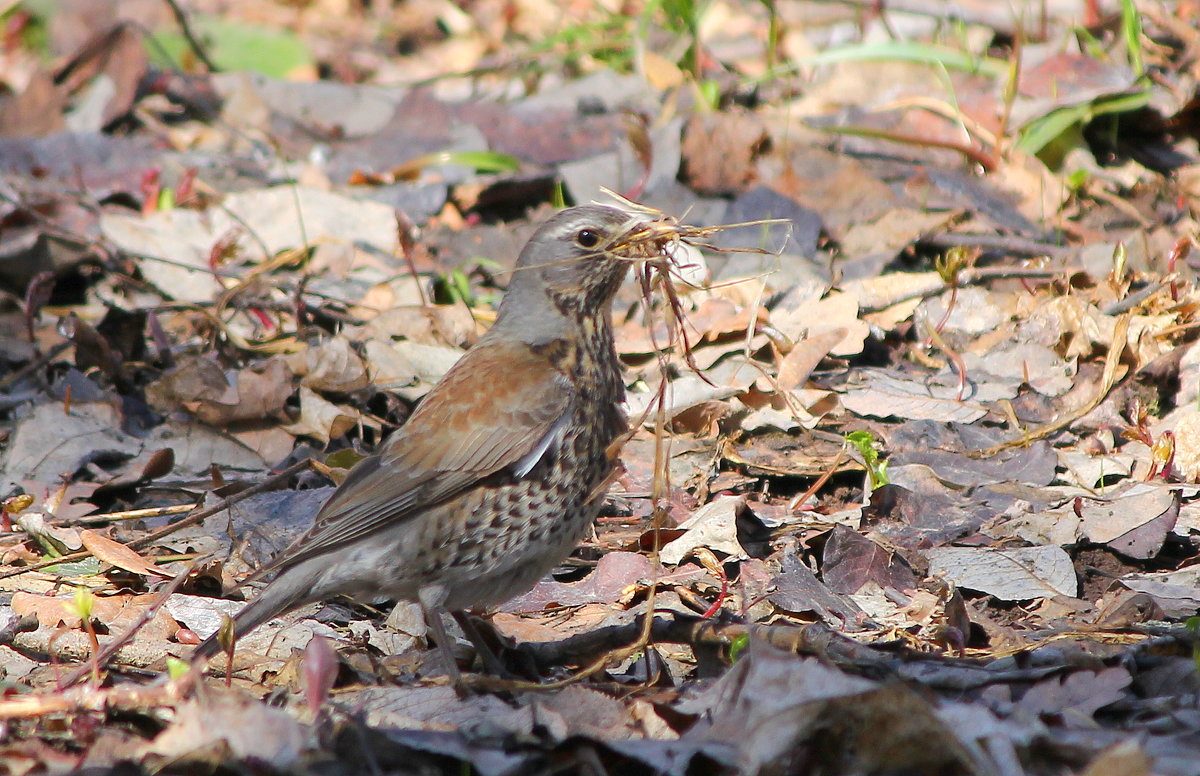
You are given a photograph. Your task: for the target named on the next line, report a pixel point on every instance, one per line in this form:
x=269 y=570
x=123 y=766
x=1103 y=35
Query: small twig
x=1131 y=301
x=926 y=284
x=129 y=514
x=174 y=557
x=200 y=516
x=998 y=242
x=186 y=28
x=1176 y=329
x=126 y=696
x=983 y=274
x=832 y=469
x=977 y=155
x=35 y=364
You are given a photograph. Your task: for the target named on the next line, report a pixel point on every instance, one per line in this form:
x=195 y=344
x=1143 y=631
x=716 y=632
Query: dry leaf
x=119 y=555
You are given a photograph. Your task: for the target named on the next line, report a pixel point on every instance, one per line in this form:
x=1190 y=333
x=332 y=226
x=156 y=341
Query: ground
x=921 y=495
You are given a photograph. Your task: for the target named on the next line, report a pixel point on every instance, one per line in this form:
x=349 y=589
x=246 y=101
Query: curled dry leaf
x=712 y=526
x=220 y=398
x=815 y=318
x=119 y=555
x=795 y=367
x=56 y=539
x=333 y=367
x=324 y=420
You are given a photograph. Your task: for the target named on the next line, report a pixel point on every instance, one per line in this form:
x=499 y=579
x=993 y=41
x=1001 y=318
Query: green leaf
x=35 y=34
x=1052 y=135
x=710 y=93
x=488 y=263
x=83 y=602
x=343 y=459
x=176 y=668
x=903 y=51
x=864 y=442
x=87 y=567
x=1131 y=31
x=234 y=47
x=479 y=161
x=461 y=284
x=1042 y=131
x=736 y=645
x=453 y=288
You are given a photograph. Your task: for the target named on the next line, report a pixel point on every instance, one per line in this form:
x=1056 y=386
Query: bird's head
x=574 y=263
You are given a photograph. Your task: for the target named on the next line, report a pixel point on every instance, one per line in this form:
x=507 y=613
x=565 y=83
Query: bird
x=502 y=467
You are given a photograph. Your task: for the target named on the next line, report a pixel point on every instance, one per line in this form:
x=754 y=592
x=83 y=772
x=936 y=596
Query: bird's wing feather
x=496 y=407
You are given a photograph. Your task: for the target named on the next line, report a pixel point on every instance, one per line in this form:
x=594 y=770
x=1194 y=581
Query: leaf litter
x=878 y=493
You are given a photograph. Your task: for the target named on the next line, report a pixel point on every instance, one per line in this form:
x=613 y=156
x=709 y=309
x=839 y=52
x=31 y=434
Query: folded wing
x=500 y=407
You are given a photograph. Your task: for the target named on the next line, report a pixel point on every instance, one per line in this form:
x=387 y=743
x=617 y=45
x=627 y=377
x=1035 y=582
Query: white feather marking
x=549 y=440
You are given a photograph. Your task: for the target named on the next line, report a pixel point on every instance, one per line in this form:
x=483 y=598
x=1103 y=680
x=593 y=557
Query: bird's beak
x=645 y=239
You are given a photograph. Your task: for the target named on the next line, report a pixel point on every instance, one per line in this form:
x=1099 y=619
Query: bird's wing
x=499 y=406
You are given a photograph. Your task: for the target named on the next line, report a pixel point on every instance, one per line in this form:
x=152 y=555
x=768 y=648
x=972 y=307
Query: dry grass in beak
x=661 y=245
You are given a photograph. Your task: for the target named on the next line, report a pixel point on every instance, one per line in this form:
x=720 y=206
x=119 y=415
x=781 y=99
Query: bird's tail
x=278 y=597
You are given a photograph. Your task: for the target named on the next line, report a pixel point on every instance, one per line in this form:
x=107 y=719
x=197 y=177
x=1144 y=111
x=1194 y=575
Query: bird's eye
x=586 y=238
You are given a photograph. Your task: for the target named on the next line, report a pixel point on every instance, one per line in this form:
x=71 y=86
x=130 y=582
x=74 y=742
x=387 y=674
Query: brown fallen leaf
x=719 y=150
x=798 y=364
x=116 y=612
x=119 y=555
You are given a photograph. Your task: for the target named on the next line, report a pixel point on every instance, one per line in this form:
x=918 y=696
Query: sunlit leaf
x=234 y=46
x=1052 y=135
x=903 y=51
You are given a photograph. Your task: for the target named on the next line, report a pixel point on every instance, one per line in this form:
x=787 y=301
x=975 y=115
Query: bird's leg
x=491 y=663
x=433 y=616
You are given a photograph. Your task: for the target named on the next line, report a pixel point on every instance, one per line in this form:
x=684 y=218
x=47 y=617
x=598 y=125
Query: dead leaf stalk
x=190 y=36
x=985 y=160
x=405 y=230
x=960 y=367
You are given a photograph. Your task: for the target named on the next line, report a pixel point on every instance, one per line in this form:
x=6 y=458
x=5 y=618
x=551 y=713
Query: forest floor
x=921 y=497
